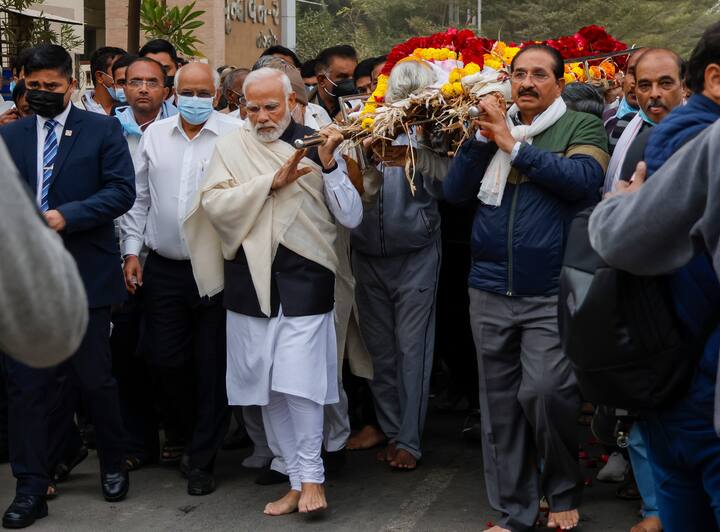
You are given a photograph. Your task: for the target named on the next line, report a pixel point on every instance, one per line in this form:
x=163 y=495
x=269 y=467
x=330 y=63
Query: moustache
x=528 y=92
x=654 y=102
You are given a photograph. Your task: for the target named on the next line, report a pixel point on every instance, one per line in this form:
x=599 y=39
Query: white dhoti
x=288 y=365
x=293 y=355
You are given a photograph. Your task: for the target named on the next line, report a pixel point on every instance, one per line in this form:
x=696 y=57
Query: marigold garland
x=477 y=52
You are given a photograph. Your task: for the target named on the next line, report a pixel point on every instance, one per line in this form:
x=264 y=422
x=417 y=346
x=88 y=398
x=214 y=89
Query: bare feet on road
x=287 y=505
x=564 y=520
x=403 y=460
x=312 y=498
x=388 y=453
x=369 y=436
x=649 y=524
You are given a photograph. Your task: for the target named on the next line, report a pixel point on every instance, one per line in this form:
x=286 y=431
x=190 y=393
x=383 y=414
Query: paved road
x=445 y=494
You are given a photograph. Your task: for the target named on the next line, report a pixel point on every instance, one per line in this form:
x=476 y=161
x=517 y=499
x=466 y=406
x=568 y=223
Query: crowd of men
x=228 y=274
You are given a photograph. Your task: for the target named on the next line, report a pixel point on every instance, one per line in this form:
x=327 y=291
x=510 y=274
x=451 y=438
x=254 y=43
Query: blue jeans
x=684 y=451
x=643 y=471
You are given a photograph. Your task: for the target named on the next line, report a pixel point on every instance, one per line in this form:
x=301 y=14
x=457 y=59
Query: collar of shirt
x=210 y=125
x=60 y=119
x=88 y=100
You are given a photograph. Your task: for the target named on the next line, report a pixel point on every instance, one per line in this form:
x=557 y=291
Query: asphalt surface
x=446 y=493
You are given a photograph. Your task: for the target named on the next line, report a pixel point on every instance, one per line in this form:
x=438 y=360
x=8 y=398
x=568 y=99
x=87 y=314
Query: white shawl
x=235 y=207
x=497 y=172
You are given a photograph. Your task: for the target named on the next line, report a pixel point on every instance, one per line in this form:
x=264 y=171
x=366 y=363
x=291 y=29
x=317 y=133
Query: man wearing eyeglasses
x=184 y=333
x=532 y=169
x=146 y=94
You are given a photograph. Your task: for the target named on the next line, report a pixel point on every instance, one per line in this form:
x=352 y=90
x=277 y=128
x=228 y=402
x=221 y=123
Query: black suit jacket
x=93 y=183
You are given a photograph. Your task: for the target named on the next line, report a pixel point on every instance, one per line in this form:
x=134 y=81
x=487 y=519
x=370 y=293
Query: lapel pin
x=68 y=133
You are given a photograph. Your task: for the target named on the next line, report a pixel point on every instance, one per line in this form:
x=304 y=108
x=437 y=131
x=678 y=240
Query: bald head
x=653 y=55
x=197 y=74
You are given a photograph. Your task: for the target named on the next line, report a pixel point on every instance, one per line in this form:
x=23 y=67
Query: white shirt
x=89 y=104
x=341 y=197
x=41 y=134
x=169 y=169
x=316 y=117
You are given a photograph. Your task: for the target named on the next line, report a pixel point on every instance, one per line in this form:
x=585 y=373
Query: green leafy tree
x=175 y=24
x=33 y=31
x=374 y=26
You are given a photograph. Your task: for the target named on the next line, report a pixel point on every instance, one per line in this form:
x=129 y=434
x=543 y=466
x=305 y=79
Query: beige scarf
x=235 y=207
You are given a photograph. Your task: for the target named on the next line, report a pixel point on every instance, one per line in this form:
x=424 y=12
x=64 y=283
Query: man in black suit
x=79 y=169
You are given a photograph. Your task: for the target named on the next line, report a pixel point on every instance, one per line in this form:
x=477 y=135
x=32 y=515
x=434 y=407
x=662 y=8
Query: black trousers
x=42 y=407
x=184 y=337
x=136 y=382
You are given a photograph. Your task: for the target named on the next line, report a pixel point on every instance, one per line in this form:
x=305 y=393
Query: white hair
x=408 y=77
x=265 y=74
x=215 y=75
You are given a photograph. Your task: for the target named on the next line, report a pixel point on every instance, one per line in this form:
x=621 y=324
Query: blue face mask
x=646 y=118
x=195 y=110
x=12 y=87
x=120 y=96
x=625 y=109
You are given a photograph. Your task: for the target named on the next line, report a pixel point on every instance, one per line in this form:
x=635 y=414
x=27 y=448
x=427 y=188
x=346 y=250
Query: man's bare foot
x=388 y=453
x=312 y=498
x=403 y=460
x=369 y=436
x=564 y=520
x=287 y=505
x=649 y=524
x=496 y=528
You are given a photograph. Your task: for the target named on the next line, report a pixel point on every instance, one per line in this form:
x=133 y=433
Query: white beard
x=271 y=135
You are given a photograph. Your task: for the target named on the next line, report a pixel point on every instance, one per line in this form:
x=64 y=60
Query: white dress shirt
x=169 y=169
x=341 y=197
x=41 y=134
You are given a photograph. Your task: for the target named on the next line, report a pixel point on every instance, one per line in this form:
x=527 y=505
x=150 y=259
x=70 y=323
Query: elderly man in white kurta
x=263 y=228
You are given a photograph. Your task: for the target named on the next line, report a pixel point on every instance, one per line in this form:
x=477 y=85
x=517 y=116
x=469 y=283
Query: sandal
x=171 y=454
x=133 y=463
x=52 y=491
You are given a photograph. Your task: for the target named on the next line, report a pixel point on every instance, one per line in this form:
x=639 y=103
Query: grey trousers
x=396 y=301
x=529 y=403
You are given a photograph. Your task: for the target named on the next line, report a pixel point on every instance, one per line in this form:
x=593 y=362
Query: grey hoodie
x=659 y=228
x=395 y=222
x=44 y=308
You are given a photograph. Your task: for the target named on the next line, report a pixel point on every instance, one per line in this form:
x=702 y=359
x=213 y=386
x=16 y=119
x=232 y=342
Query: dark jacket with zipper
x=517 y=248
x=398 y=222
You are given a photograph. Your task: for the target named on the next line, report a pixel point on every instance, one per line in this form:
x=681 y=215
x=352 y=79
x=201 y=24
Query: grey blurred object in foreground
x=43 y=306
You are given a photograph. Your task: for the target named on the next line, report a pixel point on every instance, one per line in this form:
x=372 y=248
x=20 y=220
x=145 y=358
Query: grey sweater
x=44 y=309
x=660 y=228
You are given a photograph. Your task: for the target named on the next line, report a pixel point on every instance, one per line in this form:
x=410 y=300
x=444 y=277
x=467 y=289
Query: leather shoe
x=200 y=482
x=63 y=469
x=24 y=510
x=115 y=486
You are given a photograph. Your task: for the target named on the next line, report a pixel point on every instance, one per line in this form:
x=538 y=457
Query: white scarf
x=496 y=175
x=621 y=149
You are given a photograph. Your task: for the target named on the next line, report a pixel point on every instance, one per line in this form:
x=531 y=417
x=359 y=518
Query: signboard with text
x=250 y=27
